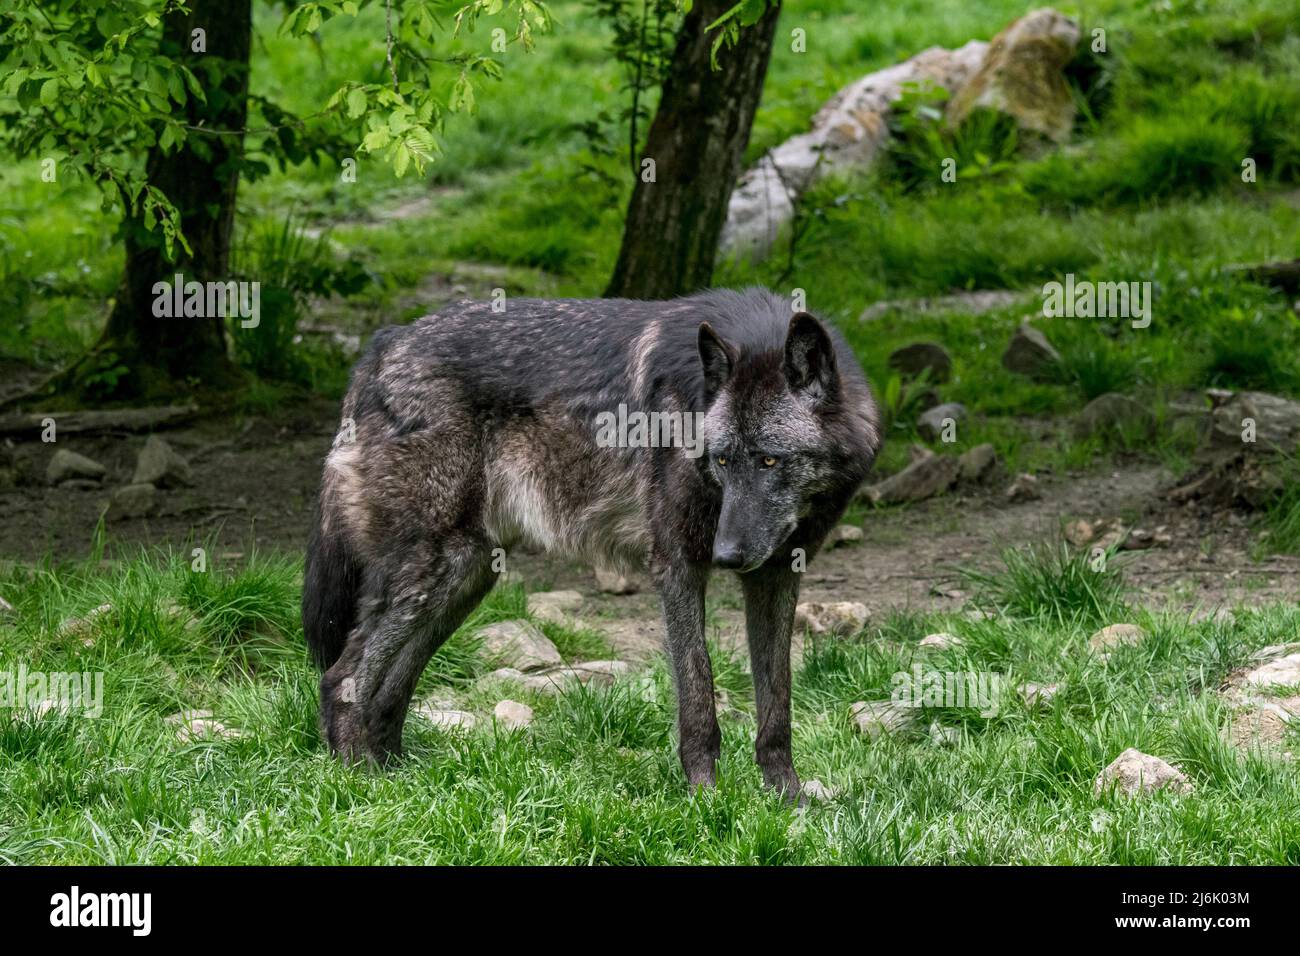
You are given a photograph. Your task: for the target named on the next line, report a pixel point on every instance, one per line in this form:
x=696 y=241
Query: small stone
x=66 y=465
x=133 y=501
x=878 y=717
x=977 y=465
x=1037 y=695
x=513 y=715
x=942 y=641
x=5 y=607
x=1030 y=353
x=911 y=361
x=933 y=423
x=519 y=644
x=843 y=534
x=158 y=464
x=834 y=617
x=1134 y=772
x=557 y=607
x=612 y=582
x=1023 y=488
x=1113 y=635
x=445 y=719
x=818 y=792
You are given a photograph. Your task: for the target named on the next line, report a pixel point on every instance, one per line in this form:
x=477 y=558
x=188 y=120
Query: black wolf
x=471 y=429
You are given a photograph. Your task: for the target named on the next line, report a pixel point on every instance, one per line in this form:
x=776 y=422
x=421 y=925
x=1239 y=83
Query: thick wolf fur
x=471 y=430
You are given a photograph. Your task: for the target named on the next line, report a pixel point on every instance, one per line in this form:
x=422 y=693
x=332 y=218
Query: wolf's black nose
x=728 y=556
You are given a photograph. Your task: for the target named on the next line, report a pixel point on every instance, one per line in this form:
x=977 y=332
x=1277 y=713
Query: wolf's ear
x=810 y=358
x=717 y=359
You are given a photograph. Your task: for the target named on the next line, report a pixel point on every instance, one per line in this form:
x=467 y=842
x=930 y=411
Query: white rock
x=944 y=736
x=1134 y=772
x=519 y=644
x=513 y=715
x=1283 y=672
x=941 y=641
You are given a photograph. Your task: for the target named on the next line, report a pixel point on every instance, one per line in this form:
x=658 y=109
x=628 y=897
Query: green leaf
x=401 y=159
x=50 y=92
x=356 y=103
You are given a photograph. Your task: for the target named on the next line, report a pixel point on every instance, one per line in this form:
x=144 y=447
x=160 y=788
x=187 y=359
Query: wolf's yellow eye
x=722 y=459
x=769 y=461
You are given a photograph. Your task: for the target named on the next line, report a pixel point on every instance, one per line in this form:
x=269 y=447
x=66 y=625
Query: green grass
x=595 y=779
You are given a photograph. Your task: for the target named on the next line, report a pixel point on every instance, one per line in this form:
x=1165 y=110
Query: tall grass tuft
x=1050 y=582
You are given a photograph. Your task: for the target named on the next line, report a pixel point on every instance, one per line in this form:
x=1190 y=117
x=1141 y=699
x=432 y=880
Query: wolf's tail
x=329 y=593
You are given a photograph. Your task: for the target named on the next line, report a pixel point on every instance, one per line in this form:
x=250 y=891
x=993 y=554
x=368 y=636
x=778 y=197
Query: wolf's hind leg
x=404 y=620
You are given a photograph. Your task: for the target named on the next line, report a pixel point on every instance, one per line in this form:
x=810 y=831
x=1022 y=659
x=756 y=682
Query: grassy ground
x=595 y=778
x=1149 y=189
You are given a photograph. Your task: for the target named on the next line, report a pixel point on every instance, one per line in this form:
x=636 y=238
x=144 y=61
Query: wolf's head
x=766 y=437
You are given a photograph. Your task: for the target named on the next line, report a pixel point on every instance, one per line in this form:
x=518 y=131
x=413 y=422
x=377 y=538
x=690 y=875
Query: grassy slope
x=595 y=780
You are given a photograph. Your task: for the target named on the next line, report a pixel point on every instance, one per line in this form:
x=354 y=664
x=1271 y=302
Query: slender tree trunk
x=697 y=141
x=176 y=354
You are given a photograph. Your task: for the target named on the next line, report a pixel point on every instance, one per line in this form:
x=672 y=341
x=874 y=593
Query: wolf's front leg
x=681 y=589
x=771 y=593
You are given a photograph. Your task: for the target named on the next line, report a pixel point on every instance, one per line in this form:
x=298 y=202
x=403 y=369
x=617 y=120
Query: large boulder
x=850 y=131
x=1023 y=76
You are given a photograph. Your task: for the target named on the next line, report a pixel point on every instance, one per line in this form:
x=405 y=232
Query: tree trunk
x=166 y=355
x=697 y=141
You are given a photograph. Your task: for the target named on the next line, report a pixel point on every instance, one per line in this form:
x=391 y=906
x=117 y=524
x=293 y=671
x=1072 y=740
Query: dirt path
x=255 y=480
